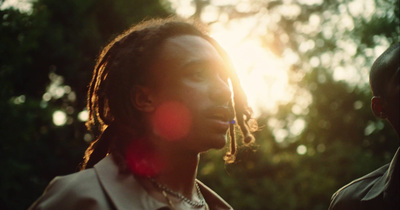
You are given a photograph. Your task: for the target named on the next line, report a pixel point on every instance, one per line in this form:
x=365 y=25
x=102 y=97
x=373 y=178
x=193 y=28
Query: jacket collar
x=393 y=177
x=387 y=185
x=126 y=193
x=123 y=189
x=214 y=201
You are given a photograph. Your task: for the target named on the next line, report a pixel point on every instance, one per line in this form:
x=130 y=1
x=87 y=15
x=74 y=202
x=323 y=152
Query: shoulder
x=350 y=195
x=81 y=189
x=82 y=182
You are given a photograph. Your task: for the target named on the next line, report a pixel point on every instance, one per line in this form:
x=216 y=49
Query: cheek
x=196 y=97
x=172 y=121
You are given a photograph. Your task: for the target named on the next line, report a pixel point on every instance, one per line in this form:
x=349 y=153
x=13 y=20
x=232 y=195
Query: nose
x=220 y=91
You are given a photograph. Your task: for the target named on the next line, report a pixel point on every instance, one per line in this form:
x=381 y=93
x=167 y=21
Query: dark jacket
x=376 y=190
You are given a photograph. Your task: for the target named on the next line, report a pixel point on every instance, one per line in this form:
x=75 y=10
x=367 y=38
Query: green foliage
x=46 y=60
x=53 y=49
x=343 y=139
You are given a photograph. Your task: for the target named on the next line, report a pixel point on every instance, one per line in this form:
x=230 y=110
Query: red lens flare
x=172 y=121
x=142 y=159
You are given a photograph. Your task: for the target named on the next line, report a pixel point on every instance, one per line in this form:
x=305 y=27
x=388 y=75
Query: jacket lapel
x=214 y=201
x=123 y=189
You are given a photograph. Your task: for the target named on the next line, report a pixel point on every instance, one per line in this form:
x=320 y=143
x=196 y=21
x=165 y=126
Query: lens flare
x=142 y=159
x=172 y=121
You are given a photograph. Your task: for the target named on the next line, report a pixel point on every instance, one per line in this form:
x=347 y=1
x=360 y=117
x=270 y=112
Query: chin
x=217 y=143
x=208 y=142
x=221 y=145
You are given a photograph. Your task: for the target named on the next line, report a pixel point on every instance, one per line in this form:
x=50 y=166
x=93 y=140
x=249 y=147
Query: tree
x=321 y=139
x=326 y=135
x=47 y=56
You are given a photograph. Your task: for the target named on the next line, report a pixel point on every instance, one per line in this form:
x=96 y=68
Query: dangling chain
x=180 y=196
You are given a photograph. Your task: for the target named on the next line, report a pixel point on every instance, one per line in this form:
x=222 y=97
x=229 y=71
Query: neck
x=178 y=169
x=179 y=172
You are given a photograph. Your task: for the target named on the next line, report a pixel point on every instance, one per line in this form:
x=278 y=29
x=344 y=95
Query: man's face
x=192 y=94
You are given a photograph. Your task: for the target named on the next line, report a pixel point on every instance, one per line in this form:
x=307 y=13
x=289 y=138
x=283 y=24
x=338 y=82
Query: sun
x=263 y=75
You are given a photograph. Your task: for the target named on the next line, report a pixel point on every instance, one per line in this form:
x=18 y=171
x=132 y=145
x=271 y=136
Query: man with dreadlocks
x=159 y=97
x=379 y=189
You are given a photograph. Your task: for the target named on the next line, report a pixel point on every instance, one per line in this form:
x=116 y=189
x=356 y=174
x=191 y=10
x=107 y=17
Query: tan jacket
x=102 y=187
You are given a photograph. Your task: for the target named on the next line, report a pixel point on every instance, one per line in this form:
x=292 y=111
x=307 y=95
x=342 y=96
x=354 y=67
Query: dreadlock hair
x=124 y=63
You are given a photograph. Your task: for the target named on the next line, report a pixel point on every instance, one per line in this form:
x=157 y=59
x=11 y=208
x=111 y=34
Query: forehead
x=386 y=65
x=389 y=70
x=176 y=52
x=392 y=59
x=392 y=63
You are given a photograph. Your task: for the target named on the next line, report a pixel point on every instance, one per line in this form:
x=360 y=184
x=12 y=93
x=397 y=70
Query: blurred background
x=303 y=63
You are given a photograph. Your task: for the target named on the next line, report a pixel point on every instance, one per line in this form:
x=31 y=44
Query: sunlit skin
x=189 y=77
x=191 y=72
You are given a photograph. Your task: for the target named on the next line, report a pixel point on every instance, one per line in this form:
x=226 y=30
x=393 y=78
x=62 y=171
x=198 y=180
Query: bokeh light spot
x=301 y=150
x=83 y=115
x=59 y=118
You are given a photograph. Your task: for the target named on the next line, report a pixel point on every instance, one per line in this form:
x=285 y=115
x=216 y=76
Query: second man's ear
x=142 y=98
x=377 y=105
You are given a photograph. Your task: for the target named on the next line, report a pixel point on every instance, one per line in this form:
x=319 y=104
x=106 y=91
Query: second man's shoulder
x=350 y=195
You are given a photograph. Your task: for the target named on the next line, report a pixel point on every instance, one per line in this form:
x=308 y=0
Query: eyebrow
x=204 y=62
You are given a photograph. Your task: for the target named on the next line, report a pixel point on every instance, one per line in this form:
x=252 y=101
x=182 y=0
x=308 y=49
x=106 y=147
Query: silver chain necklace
x=182 y=197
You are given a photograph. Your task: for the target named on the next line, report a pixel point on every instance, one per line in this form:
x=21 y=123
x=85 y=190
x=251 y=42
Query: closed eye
x=198 y=74
x=200 y=71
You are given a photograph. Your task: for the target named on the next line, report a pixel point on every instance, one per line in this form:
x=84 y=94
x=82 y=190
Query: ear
x=142 y=98
x=377 y=106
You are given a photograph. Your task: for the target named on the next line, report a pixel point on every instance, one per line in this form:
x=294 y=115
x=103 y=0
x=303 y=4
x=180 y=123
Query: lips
x=219 y=116
x=220 y=113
